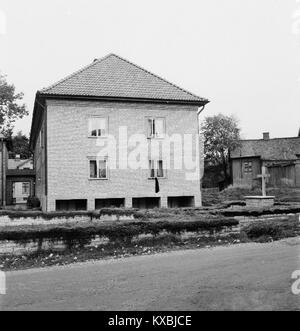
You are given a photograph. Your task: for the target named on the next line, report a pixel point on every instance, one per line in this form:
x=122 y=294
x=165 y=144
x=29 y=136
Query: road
x=241 y=277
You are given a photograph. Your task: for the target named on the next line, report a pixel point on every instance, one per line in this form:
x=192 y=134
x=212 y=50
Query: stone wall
x=19 y=248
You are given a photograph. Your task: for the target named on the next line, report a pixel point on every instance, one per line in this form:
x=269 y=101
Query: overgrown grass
x=273 y=230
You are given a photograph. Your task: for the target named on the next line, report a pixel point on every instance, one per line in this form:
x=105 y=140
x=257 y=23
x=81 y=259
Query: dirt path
x=249 y=276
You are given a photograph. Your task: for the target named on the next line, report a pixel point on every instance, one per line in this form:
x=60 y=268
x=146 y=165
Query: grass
x=273 y=230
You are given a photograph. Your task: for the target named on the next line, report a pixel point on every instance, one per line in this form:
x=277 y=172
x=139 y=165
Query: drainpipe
x=200 y=110
x=3 y=172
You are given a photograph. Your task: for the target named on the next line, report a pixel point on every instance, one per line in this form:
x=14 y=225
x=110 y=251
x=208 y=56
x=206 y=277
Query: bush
x=275 y=230
x=74 y=235
x=33 y=202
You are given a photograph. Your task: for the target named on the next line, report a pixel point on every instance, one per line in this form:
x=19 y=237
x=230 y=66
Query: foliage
x=20 y=145
x=10 y=107
x=274 y=230
x=72 y=234
x=221 y=134
x=33 y=202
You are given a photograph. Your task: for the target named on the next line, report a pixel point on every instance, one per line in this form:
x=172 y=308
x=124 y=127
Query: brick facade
x=3 y=170
x=65 y=164
x=40 y=163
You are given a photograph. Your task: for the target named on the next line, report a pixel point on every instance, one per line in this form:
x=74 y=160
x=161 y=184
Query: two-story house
x=113 y=103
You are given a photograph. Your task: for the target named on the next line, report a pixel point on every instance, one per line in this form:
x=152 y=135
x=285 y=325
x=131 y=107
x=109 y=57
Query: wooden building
x=281 y=156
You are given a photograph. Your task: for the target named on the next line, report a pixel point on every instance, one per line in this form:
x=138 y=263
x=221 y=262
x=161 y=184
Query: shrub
x=272 y=229
x=33 y=202
x=78 y=235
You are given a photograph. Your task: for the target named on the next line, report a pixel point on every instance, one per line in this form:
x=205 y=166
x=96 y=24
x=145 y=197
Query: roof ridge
x=159 y=77
x=75 y=73
x=261 y=139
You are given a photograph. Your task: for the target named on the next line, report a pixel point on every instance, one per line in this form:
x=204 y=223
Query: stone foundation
x=259 y=201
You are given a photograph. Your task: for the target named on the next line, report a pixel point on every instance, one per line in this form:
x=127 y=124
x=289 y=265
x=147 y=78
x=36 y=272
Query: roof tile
x=271 y=149
x=113 y=76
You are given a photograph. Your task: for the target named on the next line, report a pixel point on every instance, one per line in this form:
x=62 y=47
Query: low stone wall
x=259 y=202
x=19 y=248
x=40 y=219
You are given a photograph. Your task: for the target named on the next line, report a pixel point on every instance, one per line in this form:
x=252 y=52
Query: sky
x=244 y=56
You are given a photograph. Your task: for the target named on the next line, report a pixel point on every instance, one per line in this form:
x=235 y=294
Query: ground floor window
x=181 y=202
x=20 y=192
x=71 y=205
x=146 y=203
x=109 y=203
x=248 y=167
x=26 y=188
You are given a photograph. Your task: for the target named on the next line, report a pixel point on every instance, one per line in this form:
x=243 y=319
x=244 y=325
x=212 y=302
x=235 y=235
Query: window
x=98 y=169
x=156 y=127
x=25 y=188
x=248 y=167
x=98 y=127
x=156 y=169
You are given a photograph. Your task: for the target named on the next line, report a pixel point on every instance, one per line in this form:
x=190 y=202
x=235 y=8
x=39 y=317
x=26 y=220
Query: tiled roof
x=271 y=149
x=115 y=77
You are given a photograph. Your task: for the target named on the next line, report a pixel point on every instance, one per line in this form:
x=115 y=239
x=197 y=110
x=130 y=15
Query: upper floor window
x=248 y=167
x=156 y=169
x=98 y=127
x=156 y=127
x=98 y=169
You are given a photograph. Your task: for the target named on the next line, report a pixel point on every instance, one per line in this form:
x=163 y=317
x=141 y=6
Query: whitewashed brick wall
x=69 y=147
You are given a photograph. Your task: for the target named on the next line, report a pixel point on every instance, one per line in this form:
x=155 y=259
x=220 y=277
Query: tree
x=221 y=134
x=10 y=107
x=20 y=146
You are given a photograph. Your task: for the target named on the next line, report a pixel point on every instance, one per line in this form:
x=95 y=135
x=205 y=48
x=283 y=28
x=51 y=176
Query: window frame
x=27 y=186
x=248 y=167
x=90 y=118
x=98 y=160
x=156 y=169
x=154 y=134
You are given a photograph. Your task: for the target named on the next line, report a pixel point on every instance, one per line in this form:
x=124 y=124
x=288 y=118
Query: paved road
x=250 y=276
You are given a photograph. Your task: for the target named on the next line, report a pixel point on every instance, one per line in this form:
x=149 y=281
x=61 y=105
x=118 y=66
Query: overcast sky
x=244 y=55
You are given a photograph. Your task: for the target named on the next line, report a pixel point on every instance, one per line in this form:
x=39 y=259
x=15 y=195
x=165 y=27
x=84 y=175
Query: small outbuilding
x=280 y=156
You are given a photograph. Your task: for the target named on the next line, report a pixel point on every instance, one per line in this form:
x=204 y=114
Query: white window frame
x=248 y=167
x=89 y=127
x=97 y=170
x=28 y=186
x=154 y=134
x=156 y=168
